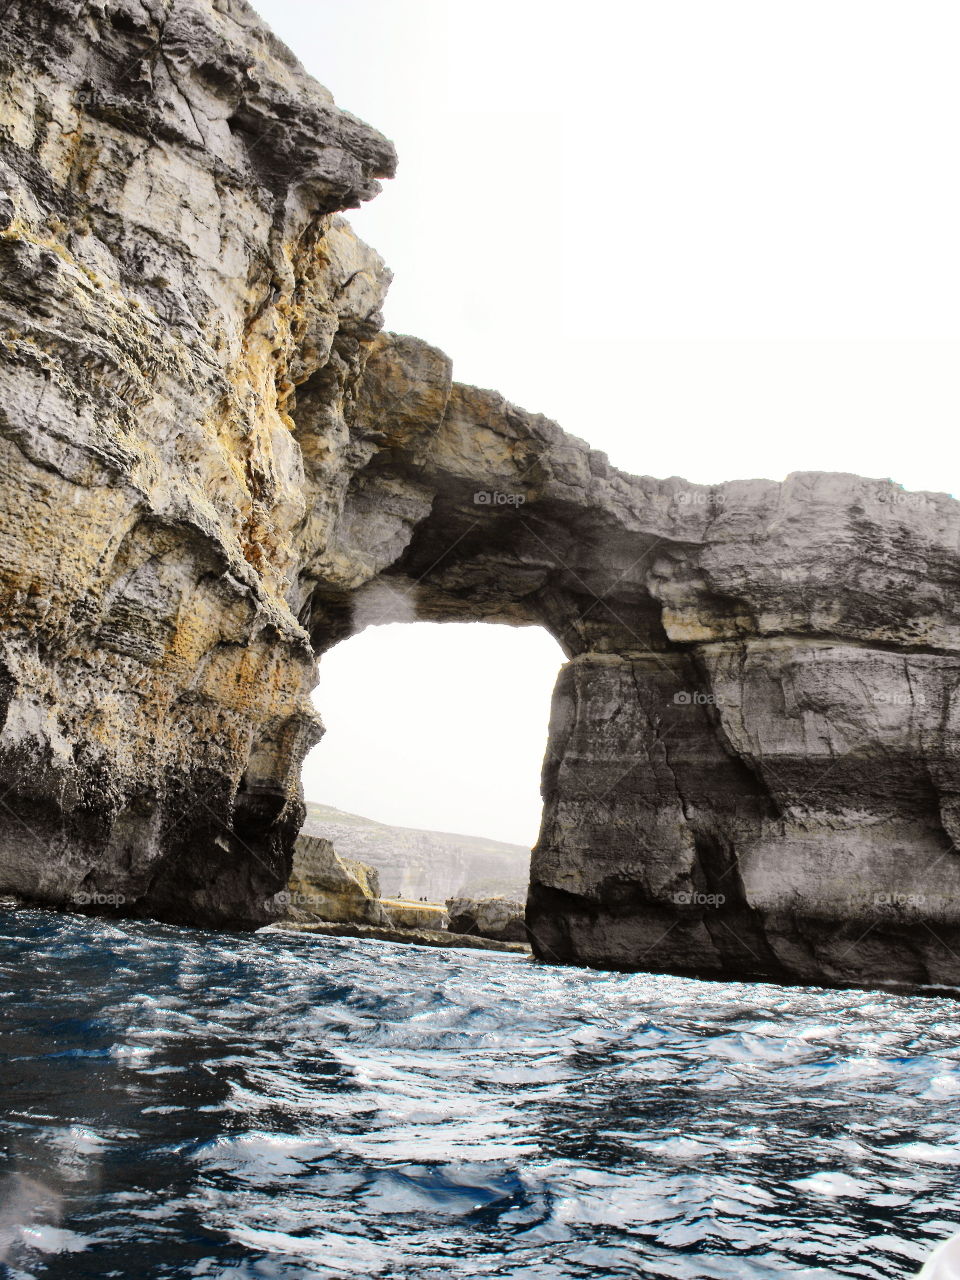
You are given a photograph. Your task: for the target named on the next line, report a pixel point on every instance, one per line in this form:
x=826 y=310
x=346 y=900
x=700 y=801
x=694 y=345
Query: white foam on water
x=831 y=1183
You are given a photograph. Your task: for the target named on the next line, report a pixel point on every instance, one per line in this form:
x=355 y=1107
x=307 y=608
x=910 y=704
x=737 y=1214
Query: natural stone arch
x=733 y=758
x=191 y=355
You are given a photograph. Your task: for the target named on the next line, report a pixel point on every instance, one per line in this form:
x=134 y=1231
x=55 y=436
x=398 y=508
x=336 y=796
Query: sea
x=272 y=1106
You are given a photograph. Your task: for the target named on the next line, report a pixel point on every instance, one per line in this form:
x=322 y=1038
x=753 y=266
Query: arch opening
x=429 y=767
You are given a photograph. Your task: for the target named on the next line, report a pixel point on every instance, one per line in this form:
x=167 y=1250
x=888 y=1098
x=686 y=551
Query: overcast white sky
x=717 y=238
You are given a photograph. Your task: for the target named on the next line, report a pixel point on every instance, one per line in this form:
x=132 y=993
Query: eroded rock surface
x=170 y=268
x=415 y=915
x=500 y=918
x=323 y=885
x=215 y=466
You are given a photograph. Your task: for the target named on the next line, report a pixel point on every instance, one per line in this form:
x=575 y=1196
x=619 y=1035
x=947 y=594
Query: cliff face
x=215 y=467
x=752 y=765
x=170 y=269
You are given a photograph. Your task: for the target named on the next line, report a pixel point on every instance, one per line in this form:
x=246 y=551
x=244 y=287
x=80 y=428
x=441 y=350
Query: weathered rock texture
x=414 y=915
x=324 y=885
x=170 y=269
x=215 y=466
x=500 y=918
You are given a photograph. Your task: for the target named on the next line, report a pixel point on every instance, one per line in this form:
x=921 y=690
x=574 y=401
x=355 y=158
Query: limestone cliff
x=171 y=269
x=216 y=466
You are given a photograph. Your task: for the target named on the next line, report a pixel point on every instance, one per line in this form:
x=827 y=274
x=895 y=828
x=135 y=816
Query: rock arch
x=749 y=760
x=215 y=465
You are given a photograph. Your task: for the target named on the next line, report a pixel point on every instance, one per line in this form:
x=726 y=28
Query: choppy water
x=180 y=1103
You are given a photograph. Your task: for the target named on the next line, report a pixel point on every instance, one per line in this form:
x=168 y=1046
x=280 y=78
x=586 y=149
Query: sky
x=717 y=240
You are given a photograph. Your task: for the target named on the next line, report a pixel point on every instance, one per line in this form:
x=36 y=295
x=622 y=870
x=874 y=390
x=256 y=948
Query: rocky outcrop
x=385 y=933
x=499 y=918
x=751 y=767
x=323 y=885
x=215 y=467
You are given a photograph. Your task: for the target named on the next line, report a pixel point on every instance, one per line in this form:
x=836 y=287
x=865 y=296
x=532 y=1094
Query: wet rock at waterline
x=499 y=918
x=215 y=466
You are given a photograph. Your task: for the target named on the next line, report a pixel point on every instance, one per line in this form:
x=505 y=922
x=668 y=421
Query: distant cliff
x=416 y=864
x=214 y=466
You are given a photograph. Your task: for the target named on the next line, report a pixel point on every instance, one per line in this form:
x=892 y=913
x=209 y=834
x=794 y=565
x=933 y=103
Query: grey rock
x=499 y=918
x=171 y=268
